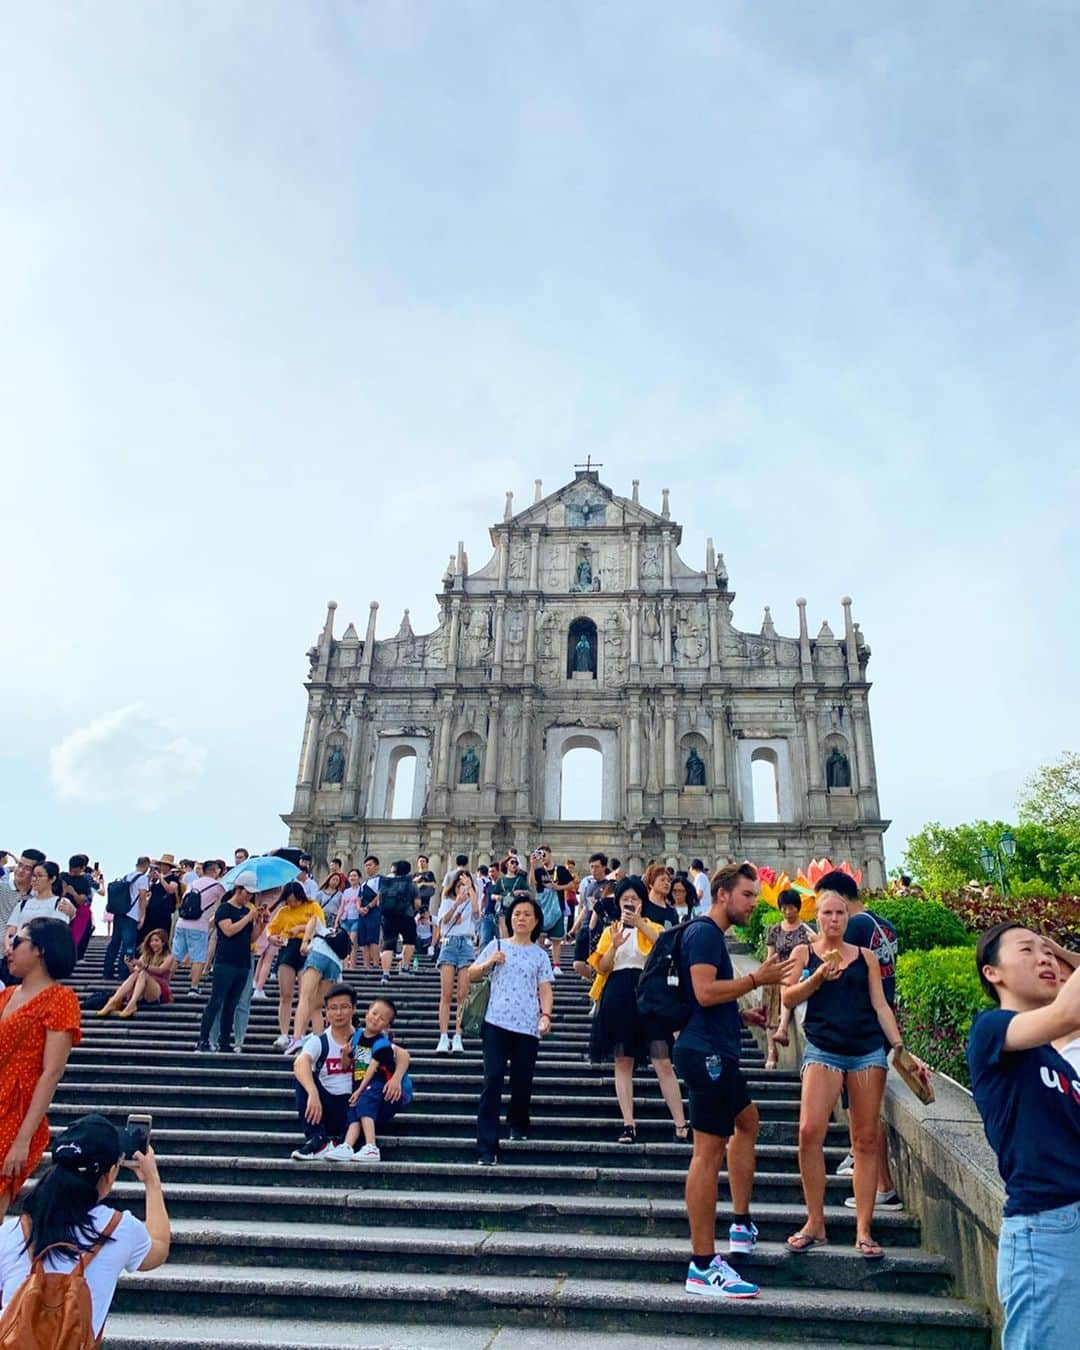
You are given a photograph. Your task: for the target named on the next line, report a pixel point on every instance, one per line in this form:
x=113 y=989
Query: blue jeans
x=242 y=1015
x=1038 y=1261
x=489 y=929
x=123 y=942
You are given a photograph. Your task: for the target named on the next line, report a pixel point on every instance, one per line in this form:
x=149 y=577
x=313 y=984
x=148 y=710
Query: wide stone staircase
x=573 y=1240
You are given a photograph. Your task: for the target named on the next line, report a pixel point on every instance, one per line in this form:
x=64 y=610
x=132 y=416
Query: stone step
x=491 y=1211
x=510 y=1177
x=616 y=1305
x=154 y=1331
x=234 y=1112
x=301 y=1246
x=457 y=1148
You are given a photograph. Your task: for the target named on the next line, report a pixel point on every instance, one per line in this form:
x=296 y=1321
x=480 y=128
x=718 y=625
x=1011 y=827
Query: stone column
x=667 y=560
x=714 y=632
x=525 y=788
x=455 y=629
x=311 y=740
x=504 y=561
x=491 y=757
x=534 y=559
x=665 y=631
x=530 y=632
x=813 y=751
x=446 y=718
x=862 y=749
x=850 y=643
x=719 y=735
x=500 y=625
x=633 y=754
x=670 y=772
x=635 y=561
x=369 y=642
x=635 y=631
x=805 y=659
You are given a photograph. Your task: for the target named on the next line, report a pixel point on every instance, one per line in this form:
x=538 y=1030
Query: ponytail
x=59 y=1211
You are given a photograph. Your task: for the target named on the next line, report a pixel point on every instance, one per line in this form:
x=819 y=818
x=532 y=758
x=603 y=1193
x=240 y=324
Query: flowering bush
x=1058 y=916
x=937 y=995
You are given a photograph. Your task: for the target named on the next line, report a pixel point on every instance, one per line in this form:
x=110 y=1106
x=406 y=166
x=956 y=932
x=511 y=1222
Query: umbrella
x=270 y=873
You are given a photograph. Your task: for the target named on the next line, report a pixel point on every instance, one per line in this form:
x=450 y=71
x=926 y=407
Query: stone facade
x=586 y=628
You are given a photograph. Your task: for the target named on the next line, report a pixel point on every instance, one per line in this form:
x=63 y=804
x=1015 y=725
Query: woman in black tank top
x=848 y=1028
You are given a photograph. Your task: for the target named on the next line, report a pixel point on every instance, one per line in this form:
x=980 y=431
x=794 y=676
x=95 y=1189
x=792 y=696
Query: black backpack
x=118 y=897
x=191 y=906
x=661 y=992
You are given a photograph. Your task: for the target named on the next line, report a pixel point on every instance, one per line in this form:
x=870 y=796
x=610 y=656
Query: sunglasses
x=18 y=941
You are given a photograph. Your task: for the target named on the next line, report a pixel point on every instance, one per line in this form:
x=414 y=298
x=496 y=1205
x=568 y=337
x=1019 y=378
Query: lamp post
x=994 y=859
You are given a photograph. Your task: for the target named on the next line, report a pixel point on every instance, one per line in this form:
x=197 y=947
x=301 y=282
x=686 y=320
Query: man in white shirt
x=125 y=930
x=310 y=885
x=700 y=879
x=15 y=887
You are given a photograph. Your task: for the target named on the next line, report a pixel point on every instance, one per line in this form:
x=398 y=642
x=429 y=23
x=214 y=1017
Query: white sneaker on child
x=369 y=1153
x=339 y=1153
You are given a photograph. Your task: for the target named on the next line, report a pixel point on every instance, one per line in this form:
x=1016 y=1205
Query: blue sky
x=294 y=293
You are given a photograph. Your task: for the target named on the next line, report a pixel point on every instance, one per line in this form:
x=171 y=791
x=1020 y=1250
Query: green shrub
x=762 y=916
x=921 y=924
x=937 y=995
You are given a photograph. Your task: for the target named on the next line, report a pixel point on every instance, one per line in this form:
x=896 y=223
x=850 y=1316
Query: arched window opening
x=581 y=648
x=765 y=781
x=582 y=784
x=401 y=784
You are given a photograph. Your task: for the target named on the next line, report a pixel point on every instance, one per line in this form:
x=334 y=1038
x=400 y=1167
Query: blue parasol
x=270 y=872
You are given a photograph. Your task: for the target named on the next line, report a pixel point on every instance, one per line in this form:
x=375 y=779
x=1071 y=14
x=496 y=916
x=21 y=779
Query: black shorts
x=396 y=926
x=289 y=955
x=714 y=1102
x=581 y=943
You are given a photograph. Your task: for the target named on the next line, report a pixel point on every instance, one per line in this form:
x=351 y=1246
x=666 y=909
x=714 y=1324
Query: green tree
x=1051 y=796
x=944 y=858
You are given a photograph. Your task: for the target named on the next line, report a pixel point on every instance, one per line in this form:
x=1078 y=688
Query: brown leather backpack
x=52 y=1310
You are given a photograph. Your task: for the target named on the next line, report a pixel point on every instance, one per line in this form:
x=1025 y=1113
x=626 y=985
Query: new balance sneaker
x=847 y=1167
x=882 y=1200
x=311 y=1149
x=457 y=1045
x=741 y=1238
x=339 y=1153
x=718 y=1280
x=369 y=1153
x=443 y=1048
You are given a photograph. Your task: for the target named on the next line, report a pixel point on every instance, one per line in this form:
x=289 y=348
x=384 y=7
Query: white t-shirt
x=137 y=884
x=701 y=885
x=1071 y=1052
x=210 y=893
x=333 y=1077
x=465 y=925
x=311 y=888
x=127 y=1250
x=33 y=908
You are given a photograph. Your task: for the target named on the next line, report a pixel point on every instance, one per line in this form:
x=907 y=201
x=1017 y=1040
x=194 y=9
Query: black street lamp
x=994 y=859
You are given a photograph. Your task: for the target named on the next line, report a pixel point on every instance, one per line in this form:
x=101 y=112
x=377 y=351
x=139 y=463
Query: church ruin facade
x=586 y=629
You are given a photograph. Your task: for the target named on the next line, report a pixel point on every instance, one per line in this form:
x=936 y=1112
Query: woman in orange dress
x=39 y=1023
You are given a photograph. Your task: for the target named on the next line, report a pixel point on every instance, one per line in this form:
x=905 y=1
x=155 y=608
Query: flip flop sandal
x=802 y=1242
x=869 y=1250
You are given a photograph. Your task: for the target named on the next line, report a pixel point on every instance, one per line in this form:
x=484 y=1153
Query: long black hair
x=59 y=1211
x=52 y=938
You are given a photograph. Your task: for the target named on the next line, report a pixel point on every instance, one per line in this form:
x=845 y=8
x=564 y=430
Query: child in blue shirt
x=381 y=1079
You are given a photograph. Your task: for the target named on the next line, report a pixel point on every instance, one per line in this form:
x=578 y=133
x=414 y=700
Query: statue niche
x=581 y=649
x=584 y=579
x=837 y=769
x=334 y=768
x=695 y=769
x=469 y=773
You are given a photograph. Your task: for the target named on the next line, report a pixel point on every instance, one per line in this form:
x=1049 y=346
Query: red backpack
x=52 y=1310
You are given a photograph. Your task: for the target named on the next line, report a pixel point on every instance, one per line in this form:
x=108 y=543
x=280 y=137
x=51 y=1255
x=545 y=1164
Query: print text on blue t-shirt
x=1029 y=1101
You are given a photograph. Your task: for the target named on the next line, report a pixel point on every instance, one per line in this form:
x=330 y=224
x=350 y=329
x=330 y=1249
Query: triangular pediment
x=582 y=502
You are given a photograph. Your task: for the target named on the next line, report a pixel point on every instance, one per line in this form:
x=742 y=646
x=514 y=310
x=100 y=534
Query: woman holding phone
x=619 y=1031
x=456 y=923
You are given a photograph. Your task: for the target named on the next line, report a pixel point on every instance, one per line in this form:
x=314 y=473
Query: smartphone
x=139 y=1127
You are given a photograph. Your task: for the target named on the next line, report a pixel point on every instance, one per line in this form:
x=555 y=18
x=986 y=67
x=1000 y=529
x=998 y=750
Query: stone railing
x=944 y=1169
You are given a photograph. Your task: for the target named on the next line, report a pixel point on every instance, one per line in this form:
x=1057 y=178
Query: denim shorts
x=876 y=1059
x=351 y=925
x=191 y=942
x=457 y=951
x=327 y=967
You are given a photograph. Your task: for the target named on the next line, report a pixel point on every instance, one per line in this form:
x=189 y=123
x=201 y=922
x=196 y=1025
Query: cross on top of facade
x=588 y=466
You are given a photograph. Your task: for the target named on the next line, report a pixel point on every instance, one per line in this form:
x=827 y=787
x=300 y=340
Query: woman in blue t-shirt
x=1029 y=1098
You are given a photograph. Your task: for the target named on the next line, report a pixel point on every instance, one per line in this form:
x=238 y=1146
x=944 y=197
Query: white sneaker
x=882 y=1200
x=281 y=1042
x=456 y=1044
x=847 y=1167
x=369 y=1153
x=259 y=994
x=292 y=1047
x=556 y=970
x=443 y=1048
x=339 y=1153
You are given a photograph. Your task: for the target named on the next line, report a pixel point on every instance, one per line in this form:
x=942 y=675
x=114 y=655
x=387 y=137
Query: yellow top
x=289 y=917
x=646 y=940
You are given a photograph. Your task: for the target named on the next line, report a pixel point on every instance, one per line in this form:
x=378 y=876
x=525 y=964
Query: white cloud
x=127 y=756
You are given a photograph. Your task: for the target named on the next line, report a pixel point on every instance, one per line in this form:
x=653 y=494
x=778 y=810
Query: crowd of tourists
x=501 y=936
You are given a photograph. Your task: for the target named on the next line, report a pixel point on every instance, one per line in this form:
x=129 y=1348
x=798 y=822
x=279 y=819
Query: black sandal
x=629 y=1135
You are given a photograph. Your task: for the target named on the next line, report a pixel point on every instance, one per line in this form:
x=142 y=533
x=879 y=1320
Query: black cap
x=91 y=1145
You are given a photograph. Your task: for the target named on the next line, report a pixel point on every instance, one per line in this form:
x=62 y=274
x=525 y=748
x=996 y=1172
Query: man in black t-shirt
x=1029 y=1098
x=239 y=921
x=707 y=1060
